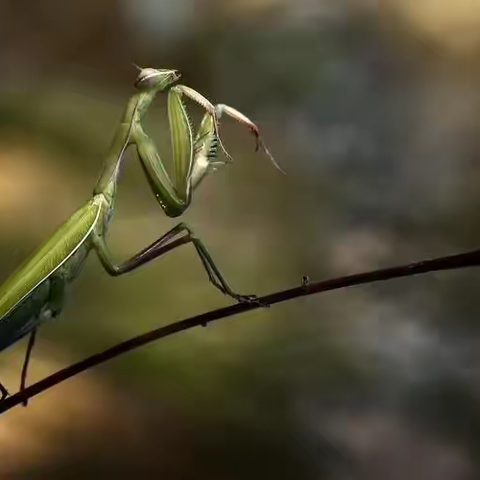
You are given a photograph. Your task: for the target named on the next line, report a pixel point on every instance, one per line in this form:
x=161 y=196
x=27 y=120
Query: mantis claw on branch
x=35 y=292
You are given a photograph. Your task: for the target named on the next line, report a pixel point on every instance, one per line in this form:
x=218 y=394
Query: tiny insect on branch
x=462 y=260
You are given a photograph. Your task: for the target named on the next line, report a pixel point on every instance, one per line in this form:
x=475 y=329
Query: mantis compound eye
x=150 y=78
x=146 y=78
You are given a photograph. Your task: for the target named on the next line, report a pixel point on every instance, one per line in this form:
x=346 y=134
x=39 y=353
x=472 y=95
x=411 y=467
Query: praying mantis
x=35 y=292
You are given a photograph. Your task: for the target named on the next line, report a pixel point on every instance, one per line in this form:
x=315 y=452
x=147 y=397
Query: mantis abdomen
x=34 y=292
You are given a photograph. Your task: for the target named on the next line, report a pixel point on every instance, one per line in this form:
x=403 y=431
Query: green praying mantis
x=35 y=292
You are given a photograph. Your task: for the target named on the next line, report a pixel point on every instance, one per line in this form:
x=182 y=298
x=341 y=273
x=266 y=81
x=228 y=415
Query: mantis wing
x=50 y=256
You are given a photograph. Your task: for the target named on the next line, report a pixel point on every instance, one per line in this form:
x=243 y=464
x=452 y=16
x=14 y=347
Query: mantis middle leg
x=179 y=235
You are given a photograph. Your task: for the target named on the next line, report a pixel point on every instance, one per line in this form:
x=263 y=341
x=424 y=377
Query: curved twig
x=450 y=262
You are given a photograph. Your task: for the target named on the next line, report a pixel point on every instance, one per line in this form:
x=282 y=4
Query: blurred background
x=372 y=110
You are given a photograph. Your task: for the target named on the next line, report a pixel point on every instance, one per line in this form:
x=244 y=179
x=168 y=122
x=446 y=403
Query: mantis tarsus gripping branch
x=35 y=292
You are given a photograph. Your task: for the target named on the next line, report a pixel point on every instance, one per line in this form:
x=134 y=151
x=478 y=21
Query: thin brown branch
x=462 y=260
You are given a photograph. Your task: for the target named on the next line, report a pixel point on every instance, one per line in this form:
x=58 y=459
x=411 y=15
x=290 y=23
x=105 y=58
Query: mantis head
x=153 y=79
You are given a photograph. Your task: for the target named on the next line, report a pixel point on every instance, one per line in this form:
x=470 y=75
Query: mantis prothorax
x=35 y=292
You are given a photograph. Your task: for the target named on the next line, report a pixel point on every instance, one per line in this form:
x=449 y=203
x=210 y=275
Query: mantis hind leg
x=3 y=391
x=53 y=308
x=23 y=377
x=179 y=235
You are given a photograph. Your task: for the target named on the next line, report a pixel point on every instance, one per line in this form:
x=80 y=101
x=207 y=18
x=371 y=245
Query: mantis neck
x=134 y=111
